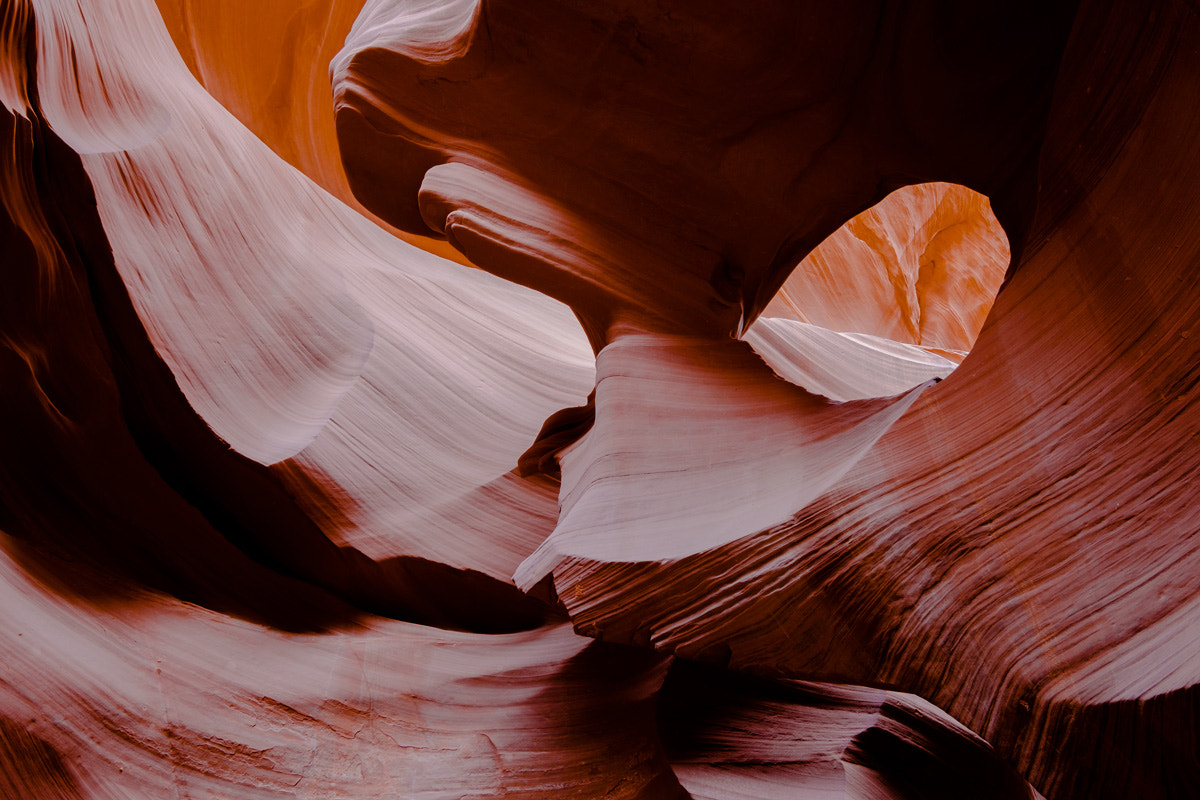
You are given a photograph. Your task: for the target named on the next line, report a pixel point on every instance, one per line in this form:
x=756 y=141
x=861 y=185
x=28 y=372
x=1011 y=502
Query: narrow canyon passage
x=481 y=398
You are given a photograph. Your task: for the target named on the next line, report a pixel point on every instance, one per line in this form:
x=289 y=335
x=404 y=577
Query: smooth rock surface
x=1018 y=547
x=922 y=266
x=269 y=474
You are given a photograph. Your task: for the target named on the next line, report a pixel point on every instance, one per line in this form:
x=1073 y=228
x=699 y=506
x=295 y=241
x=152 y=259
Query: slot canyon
x=445 y=399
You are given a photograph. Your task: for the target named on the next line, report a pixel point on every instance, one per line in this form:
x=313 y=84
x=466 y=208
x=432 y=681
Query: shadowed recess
x=31 y=768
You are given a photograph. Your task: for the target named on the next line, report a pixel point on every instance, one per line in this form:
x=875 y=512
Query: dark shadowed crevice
x=789 y=738
x=30 y=767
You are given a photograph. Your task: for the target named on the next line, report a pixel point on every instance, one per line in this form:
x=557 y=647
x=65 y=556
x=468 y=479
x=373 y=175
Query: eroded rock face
x=975 y=552
x=268 y=64
x=922 y=267
x=266 y=474
x=657 y=164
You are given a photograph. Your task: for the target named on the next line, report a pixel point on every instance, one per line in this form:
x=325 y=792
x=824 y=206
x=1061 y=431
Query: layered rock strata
x=268 y=474
x=1018 y=544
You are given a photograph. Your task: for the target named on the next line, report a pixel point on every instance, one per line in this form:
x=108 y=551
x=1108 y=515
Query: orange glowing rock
x=923 y=267
x=268 y=64
x=292 y=506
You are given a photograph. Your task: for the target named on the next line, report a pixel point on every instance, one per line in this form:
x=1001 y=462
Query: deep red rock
x=267 y=473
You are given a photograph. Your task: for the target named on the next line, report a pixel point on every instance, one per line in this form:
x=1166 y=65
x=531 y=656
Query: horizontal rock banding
x=243 y=425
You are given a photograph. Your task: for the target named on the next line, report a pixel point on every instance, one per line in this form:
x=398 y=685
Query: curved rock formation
x=923 y=266
x=268 y=474
x=732 y=736
x=656 y=167
x=268 y=64
x=1025 y=527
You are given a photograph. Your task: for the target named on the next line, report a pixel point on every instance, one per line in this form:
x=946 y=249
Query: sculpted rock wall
x=923 y=266
x=657 y=165
x=268 y=474
x=171 y=625
x=268 y=64
x=1018 y=544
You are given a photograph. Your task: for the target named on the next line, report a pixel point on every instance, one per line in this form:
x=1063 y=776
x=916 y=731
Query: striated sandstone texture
x=922 y=266
x=640 y=508
x=268 y=63
x=1016 y=543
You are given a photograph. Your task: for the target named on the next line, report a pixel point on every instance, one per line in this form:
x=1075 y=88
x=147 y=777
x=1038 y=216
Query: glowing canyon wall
x=671 y=483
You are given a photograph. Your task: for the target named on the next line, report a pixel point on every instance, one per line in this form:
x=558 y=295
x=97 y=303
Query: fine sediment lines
x=268 y=474
x=1026 y=526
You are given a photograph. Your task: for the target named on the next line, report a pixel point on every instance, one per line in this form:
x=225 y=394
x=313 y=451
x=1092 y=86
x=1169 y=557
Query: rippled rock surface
x=291 y=507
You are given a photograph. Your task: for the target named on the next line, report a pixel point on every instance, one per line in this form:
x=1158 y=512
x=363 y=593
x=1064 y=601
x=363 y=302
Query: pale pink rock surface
x=669 y=409
x=268 y=63
x=148 y=696
x=274 y=304
x=1014 y=544
x=251 y=315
